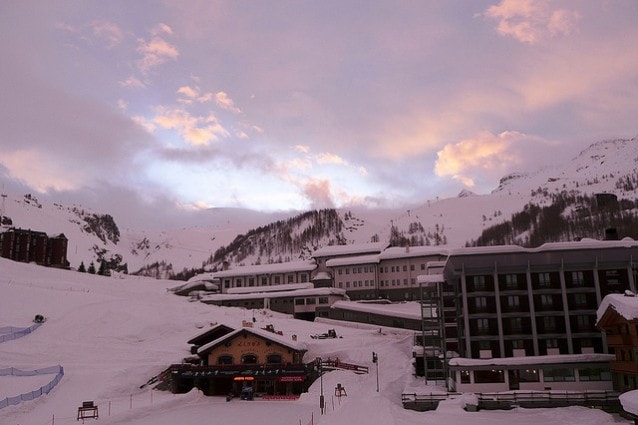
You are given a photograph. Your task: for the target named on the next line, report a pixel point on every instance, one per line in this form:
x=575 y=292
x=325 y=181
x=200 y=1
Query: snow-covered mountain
x=248 y=237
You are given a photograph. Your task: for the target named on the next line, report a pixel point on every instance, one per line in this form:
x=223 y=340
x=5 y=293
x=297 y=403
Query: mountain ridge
x=607 y=166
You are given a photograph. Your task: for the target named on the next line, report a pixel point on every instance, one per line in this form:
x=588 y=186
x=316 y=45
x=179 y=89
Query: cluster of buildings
x=30 y=246
x=496 y=318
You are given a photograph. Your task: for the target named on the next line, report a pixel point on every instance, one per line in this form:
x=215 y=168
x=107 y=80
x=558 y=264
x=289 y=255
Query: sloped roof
x=269 y=336
x=626 y=305
x=210 y=334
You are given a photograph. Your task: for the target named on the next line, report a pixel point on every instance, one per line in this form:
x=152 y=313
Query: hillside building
x=26 y=245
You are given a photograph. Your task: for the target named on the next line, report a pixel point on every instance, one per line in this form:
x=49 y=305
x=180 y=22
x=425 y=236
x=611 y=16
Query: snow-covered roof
x=532 y=360
x=279 y=294
x=274 y=288
x=351 y=249
x=584 y=243
x=413 y=251
x=322 y=276
x=406 y=310
x=280 y=339
x=624 y=304
x=629 y=401
x=349 y=261
x=293 y=266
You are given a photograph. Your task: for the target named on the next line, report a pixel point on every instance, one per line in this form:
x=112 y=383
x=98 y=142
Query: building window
x=300 y=301
x=513 y=301
x=347 y=270
x=511 y=280
x=480 y=302
x=340 y=271
x=310 y=301
x=578 y=278
x=264 y=281
x=547 y=300
x=249 y=359
x=483 y=325
x=323 y=300
x=582 y=322
x=290 y=278
x=422 y=266
x=549 y=323
x=411 y=267
x=544 y=280
x=528 y=375
x=238 y=283
x=274 y=358
x=277 y=280
x=516 y=324
x=225 y=359
x=551 y=343
x=465 y=377
x=580 y=299
x=251 y=281
x=226 y=283
x=558 y=374
x=518 y=344
x=479 y=283
x=488 y=376
x=595 y=374
x=405 y=268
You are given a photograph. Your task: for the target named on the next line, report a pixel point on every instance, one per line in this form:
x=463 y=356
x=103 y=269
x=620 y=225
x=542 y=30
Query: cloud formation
x=530 y=21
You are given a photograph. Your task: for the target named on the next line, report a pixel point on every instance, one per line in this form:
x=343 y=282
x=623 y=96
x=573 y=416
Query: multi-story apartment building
x=513 y=301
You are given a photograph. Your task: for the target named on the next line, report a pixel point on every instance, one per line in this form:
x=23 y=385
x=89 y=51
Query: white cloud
x=486 y=154
x=330 y=158
x=132 y=82
x=225 y=102
x=108 y=31
x=155 y=52
x=530 y=21
x=195 y=130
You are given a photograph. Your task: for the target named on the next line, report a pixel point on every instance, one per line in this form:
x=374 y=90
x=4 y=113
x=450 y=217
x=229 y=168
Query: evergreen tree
x=82 y=269
x=91 y=268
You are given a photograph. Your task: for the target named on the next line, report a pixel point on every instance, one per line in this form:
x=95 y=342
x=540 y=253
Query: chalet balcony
x=624 y=367
x=622 y=340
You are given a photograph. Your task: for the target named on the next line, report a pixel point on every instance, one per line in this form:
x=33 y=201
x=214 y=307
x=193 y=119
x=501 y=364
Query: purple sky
x=123 y=106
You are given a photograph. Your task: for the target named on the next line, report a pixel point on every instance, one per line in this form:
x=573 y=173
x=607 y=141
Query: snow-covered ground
x=112 y=335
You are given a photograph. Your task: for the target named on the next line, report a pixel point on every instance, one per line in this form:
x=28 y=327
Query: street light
x=375 y=360
x=320 y=370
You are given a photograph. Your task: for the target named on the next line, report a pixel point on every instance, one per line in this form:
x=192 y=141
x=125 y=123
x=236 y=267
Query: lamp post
x=320 y=370
x=375 y=360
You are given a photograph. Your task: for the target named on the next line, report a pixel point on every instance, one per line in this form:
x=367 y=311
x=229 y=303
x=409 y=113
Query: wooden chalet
x=618 y=319
x=268 y=364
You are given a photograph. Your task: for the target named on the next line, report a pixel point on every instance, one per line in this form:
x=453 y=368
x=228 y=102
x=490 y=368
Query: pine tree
x=82 y=269
x=91 y=268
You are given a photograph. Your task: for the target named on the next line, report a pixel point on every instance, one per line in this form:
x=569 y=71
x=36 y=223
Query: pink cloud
x=196 y=130
x=529 y=21
x=109 y=32
x=155 y=52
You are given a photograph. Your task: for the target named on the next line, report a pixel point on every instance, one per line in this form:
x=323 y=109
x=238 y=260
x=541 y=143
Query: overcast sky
x=175 y=106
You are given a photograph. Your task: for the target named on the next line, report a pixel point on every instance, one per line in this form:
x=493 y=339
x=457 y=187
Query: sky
x=181 y=106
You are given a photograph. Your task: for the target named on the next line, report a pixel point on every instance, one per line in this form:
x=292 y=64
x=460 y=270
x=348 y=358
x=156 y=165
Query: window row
x=249 y=358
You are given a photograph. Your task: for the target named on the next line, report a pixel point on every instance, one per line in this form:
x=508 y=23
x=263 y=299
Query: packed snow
x=112 y=334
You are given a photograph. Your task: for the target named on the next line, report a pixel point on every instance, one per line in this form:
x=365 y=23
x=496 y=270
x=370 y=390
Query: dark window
x=225 y=359
x=488 y=376
x=249 y=359
x=274 y=358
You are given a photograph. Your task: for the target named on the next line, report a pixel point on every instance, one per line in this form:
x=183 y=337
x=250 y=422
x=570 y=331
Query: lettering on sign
x=248 y=344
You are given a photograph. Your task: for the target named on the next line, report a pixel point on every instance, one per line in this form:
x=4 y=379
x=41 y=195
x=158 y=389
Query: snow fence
x=8 y=333
x=59 y=373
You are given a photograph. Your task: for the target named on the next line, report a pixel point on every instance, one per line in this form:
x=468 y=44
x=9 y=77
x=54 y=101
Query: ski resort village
x=357 y=332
